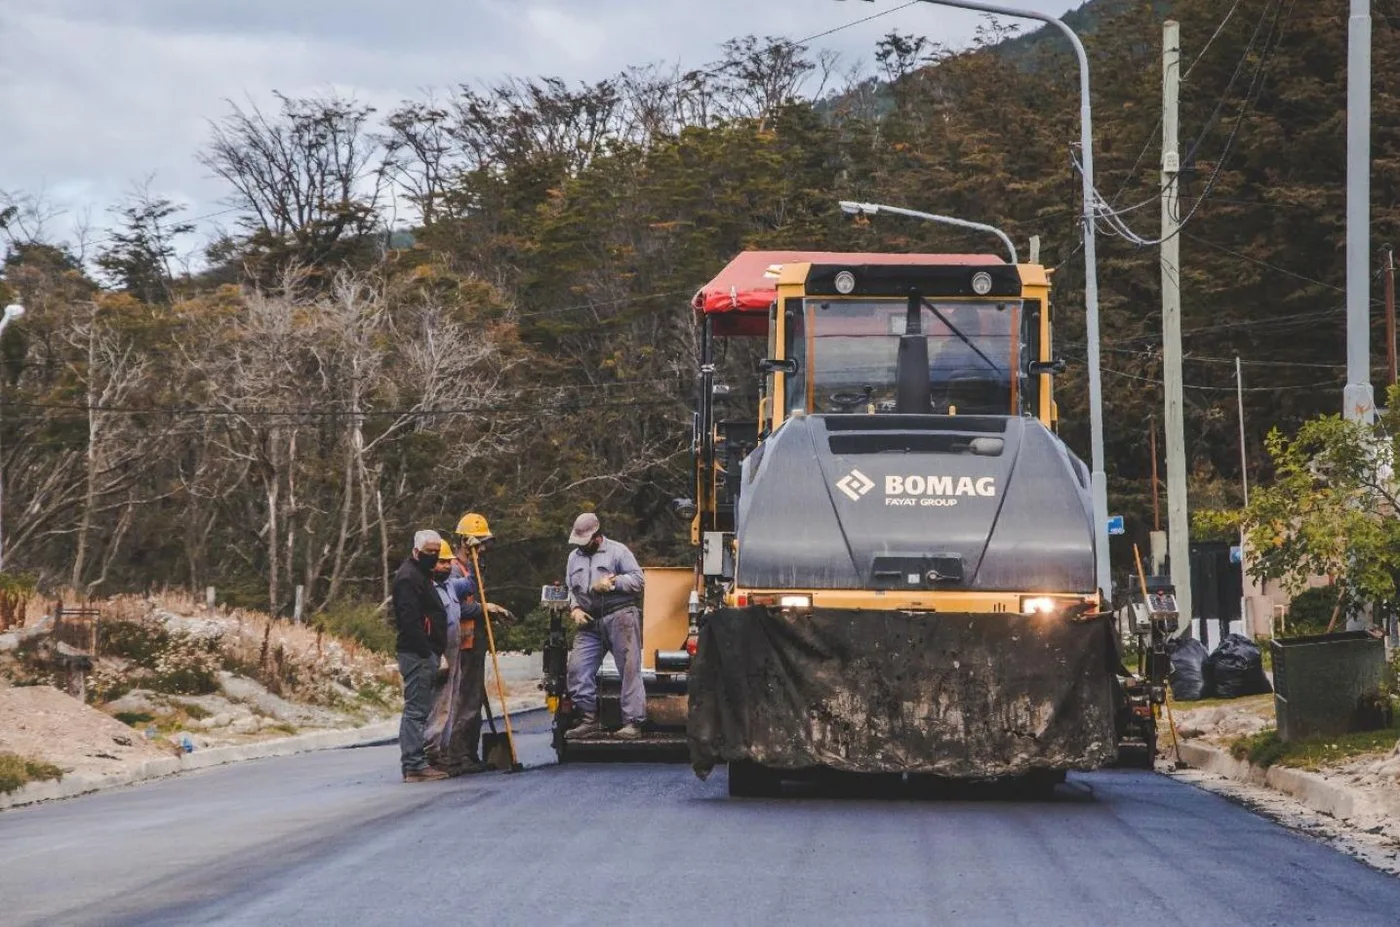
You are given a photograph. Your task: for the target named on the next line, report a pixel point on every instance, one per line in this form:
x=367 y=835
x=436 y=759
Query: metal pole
x=1178 y=517
x=1390 y=317
x=1099 y=480
x=1245 y=623
x=12 y=312
x=1156 y=483
x=871 y=209
x=1358 y=400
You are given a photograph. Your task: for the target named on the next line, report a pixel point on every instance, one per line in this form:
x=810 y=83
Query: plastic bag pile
x=1235 y=669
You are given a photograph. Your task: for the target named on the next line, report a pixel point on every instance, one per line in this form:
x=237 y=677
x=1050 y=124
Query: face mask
x=428 y=560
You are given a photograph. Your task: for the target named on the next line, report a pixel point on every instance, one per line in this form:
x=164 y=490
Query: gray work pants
x=454 y=725
x=620 y=633
x=418 y=674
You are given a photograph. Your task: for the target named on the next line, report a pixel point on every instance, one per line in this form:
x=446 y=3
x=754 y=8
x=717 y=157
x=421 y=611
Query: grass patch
x=17 y=771
x=193 y=711
x=1265 y=749
x=1249 y=701
x=133 y=718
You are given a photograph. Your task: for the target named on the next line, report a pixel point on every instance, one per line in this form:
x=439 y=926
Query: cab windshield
x=847 y=354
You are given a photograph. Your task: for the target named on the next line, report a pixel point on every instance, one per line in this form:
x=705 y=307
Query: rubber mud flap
x=1188 y=675
x=956 y=695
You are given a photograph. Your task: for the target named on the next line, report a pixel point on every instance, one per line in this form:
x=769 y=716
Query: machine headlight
x=846 y=282
x=981 y=283
x=795 y=601
x=1055 y=605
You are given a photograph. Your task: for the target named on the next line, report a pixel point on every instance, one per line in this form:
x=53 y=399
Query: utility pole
x=12 y=312
x=1158 y=545
x=1390 y=316
x=1178 y=519
x=1246 y=626
x=1358 y=400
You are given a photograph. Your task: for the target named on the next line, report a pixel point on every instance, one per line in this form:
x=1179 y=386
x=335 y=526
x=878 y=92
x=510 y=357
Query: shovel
x=495 y=747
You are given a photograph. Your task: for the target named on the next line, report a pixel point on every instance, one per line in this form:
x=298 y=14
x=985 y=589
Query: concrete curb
x=1376 y=811
x=384 y=732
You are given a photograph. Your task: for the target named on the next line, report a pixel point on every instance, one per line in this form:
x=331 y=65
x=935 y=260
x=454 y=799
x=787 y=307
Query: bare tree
x=311 y=177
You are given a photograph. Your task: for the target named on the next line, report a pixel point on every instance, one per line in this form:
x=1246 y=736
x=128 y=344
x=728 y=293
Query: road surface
x=335 y=838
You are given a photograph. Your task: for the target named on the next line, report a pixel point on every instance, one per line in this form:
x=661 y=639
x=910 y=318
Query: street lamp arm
x=871 y=209
x=1098 y=478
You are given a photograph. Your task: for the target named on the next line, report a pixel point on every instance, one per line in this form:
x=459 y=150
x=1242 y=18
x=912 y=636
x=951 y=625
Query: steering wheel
x=847 y=401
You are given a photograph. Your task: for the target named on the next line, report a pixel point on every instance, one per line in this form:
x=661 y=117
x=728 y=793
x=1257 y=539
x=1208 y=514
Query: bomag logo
x=936 y=491
x=855 y=484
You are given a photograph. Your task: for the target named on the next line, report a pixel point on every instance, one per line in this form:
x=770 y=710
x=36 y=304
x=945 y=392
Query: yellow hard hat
x=444 y=552
x=473 y=525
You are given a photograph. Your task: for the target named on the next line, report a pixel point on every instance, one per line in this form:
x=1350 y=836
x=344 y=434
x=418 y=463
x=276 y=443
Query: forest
x=479 y=300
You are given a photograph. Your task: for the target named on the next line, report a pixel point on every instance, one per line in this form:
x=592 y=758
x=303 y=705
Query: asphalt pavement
x=335 y=838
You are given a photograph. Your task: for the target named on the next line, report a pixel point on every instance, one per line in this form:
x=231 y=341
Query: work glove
x=499 y=611
x=580 y=617
x=607 y=584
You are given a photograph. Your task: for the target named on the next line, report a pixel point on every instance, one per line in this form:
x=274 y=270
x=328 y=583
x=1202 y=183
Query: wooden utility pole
x=1178 y=522
x=1156 y=482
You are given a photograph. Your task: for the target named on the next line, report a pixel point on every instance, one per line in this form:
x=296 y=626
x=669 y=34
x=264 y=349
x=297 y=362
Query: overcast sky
x=97 y=94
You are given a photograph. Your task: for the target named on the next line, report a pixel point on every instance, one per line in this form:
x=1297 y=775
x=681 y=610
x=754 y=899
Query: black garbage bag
x=1188 y=680
x=1236 y=669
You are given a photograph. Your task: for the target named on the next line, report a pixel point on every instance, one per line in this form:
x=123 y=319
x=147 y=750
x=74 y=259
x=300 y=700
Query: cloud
x=96 y=94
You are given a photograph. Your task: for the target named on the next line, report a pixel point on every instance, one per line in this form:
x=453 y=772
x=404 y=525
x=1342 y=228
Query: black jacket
x=419 y=614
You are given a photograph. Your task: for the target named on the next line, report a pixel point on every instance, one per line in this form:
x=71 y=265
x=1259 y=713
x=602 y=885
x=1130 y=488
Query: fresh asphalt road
x=335 y=838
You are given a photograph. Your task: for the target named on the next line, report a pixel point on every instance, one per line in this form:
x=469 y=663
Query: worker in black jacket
x=421 y=621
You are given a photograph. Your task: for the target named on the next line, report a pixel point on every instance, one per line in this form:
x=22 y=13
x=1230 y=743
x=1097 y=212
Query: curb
x=384 y=732
x=1375 y=812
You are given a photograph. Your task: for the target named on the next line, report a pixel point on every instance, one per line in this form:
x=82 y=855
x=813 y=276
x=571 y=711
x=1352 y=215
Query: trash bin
x=1327 y=684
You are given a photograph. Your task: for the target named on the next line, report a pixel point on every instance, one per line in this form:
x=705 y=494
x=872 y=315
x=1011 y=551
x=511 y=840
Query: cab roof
x=739 y=296
x=744 y=285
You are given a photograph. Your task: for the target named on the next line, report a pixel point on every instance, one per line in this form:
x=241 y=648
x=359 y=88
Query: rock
x=9 y=641
x=138 y=701
x=220 y=720
x=245 y=725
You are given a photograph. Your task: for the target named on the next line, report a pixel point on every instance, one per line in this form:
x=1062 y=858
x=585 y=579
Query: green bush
x=133 y=718
x=362 y=622
x=1310 y=611
x=528 y=634
x=141 y=642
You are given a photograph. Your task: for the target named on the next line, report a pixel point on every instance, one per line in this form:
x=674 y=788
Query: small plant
x=187 y=666
x=193 y=711
x=360 y=622
x=1265 y=749
x=133 y=718
x=17 y=771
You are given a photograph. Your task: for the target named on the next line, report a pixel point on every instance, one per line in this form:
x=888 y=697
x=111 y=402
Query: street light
x=871 y=209
x=1098 y=480
x=12 y=312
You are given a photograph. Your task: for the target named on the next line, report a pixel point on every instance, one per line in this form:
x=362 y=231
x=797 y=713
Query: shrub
x=138 y=640
x=1310 y=611
x=16 y=771
x=361 y=622
x=187 y=666
x=528 y=634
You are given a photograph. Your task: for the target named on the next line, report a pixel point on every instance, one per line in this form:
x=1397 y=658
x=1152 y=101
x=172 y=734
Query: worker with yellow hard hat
x=461 y=711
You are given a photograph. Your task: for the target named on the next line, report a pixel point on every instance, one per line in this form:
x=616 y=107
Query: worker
x=461 y=752
x=421 y=622
x=452 y=590
x=605 y=587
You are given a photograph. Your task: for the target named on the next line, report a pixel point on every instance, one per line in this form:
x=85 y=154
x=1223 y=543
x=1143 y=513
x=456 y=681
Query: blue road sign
x=1115 y=525
x=1235 y=554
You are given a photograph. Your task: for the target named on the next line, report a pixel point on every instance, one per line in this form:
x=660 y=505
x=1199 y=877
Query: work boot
x=426 y=774
x=588 y=727
x=629 y=731
x=469 y=766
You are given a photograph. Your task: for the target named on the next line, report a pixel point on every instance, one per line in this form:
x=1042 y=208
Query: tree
x=137 y=259
x=309 y=180
x=1331 y=510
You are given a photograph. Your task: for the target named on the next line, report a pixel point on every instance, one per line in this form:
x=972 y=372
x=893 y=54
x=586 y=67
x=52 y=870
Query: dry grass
x=17 y=771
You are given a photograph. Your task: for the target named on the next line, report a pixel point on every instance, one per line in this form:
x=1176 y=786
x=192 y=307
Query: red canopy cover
x=742 y=286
